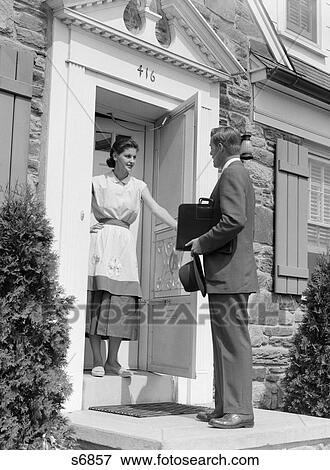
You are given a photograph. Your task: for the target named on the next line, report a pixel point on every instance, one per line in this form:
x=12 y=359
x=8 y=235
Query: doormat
x=149 y=410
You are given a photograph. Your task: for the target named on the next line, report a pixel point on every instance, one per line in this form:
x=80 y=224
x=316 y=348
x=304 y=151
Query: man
x=230 y=274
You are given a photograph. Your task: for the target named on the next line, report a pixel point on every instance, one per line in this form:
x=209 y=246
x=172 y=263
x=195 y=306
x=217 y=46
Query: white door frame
x=70 y=151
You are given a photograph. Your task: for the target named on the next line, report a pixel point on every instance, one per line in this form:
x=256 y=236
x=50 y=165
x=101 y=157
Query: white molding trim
x=72 y=18
x=288 y=126
x=260 y=14
x=223 y=63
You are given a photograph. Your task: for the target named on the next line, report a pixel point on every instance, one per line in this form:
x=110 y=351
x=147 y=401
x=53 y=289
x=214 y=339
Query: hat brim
x=199 y=274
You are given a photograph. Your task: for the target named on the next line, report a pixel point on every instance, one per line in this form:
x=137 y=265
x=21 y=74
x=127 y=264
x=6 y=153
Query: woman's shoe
x=125 y=373
x=98 y=371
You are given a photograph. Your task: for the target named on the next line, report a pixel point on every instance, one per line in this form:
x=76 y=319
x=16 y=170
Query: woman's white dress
x=113 y=278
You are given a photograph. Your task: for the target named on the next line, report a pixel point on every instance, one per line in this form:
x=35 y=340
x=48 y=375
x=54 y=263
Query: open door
x=172 y=312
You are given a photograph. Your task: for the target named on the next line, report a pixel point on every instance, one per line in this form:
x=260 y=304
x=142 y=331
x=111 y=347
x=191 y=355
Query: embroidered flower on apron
x=114 y=267
x=96 y=259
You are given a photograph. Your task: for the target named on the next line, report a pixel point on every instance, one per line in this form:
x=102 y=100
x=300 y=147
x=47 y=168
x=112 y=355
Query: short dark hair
x=227 y=136
x=119 y=146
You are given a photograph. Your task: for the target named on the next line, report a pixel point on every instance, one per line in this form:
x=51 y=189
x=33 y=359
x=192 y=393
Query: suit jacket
x=229 y=262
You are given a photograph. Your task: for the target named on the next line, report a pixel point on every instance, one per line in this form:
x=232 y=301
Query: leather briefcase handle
x=209 y=201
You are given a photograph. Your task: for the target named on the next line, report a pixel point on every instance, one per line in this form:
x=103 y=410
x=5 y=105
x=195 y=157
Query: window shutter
x=301 y=17
x=16 y=71
x=291 y=269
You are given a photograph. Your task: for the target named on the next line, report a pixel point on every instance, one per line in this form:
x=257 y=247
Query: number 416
x=147 y=73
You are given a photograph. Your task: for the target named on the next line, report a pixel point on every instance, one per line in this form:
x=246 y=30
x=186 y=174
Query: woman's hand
x=96 y=227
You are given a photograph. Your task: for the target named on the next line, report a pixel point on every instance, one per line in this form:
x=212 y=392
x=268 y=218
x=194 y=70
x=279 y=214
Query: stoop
x=142 y=387
x=273 y=430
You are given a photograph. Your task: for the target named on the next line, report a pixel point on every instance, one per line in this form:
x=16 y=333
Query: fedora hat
x=192 y=277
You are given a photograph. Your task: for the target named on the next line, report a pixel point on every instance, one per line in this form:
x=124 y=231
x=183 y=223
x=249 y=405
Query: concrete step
x=142 y=387
x=273 y=430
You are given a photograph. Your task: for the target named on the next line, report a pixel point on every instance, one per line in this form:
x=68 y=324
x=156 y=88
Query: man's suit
x=230 y=274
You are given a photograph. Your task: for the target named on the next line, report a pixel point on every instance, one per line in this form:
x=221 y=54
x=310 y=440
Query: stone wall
x=273 y=318
x=25 y=24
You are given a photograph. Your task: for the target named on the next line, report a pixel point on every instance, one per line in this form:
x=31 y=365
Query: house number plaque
x=147 y=74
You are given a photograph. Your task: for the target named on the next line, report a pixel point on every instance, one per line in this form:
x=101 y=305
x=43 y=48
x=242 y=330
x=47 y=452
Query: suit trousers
x=232 y=353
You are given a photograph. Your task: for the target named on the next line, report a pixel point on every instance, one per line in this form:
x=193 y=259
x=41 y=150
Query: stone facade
x=26 y=25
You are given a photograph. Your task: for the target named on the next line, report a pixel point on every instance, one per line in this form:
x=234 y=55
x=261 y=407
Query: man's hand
x=195 y=247
x=96 y=227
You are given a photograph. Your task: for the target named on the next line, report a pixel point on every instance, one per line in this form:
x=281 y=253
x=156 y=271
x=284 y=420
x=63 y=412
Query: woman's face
x=126 y=160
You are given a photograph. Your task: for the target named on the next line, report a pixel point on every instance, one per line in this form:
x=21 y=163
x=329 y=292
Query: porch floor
x=273 y=430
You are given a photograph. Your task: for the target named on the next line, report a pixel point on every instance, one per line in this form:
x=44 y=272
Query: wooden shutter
x=301 y=17
x=292 y=172
x=16 y=70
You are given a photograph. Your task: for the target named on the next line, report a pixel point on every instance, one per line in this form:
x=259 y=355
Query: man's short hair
x=229 y=137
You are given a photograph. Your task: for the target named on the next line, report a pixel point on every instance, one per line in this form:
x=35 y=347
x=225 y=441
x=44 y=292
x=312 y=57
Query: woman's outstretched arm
x=156 y=209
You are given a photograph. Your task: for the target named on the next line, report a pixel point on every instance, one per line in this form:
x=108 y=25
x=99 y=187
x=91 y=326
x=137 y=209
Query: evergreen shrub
x=34 y=330
x=307 y=379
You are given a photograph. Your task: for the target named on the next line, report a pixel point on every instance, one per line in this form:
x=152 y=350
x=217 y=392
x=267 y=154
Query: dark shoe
x=233 y=421
x=206 y=416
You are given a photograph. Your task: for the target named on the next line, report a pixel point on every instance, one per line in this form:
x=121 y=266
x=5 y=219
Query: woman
x=113 y=281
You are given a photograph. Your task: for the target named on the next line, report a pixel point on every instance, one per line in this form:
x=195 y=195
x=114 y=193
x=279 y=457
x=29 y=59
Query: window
x=319 y=210
x=301 y=18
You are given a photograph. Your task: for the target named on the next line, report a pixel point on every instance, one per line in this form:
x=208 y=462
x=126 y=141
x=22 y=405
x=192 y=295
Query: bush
x=34 y=332
x=307 y=380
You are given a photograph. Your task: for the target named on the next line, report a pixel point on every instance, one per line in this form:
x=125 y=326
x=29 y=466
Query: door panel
x=172 y=312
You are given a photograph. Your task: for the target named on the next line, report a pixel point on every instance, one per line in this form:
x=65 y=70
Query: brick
x=258 y=141
x=238 y=121
x=278 y=330
x=299 y=315
x=6 y=17
x=31 y=38
x=269 y=355
x=34 y=147
x=238 y=105
x=257 y=336
x=274 y=378
x=264 y=225
x=285 y=317
x=285 y=342
x=264 y=156
x=264 y=259
x=258 y=392
x=37 y=105
x=259 y=373
x=30 y=21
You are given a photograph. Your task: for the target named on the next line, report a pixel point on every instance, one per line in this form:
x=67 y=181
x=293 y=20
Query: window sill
x=303 y=42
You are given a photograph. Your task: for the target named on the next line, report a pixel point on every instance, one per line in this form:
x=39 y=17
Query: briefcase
x=194 y=220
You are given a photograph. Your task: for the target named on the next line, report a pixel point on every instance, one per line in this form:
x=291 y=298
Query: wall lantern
x=246 y=147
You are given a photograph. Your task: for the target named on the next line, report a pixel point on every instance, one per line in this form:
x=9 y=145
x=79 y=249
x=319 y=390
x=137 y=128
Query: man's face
x=216 y=152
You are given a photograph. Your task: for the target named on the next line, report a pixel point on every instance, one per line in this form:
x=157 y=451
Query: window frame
x=291 y=28
x=325 y=161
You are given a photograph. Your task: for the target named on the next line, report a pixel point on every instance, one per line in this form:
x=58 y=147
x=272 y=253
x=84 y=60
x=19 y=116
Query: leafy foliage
x=307 y=380
x=34 y=331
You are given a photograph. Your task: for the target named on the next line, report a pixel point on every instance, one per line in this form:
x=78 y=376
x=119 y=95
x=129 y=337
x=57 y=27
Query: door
x=172 y=312
x=106 y=132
